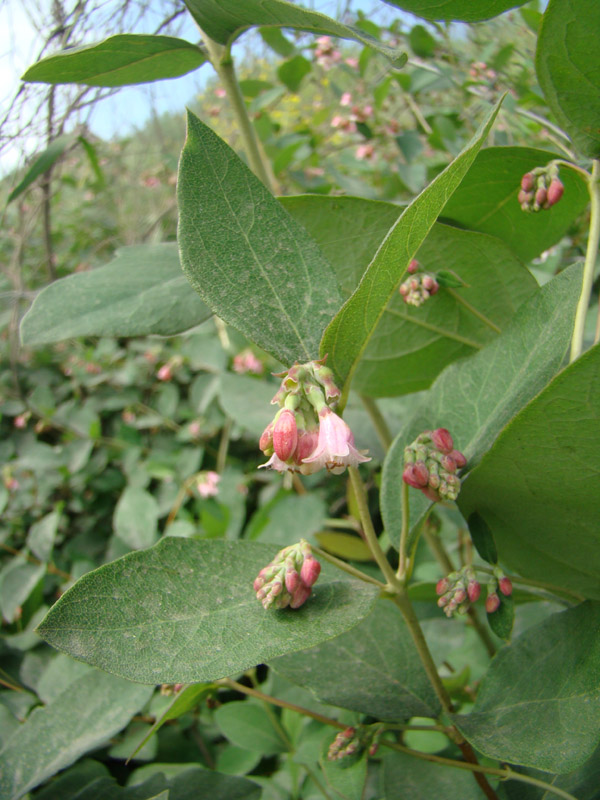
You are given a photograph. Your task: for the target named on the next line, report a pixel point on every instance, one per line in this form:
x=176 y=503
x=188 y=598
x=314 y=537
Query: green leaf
x=274 y=38
x=86 y=714
x=247 y=401
x=185 y=611
x=18 y=579
x=346 y=779
x=348 y=334
x=225 y=20
x=569 y=71
x=374 y=669
x=254 y=265
x=536 y=488
x=476 y=397
x=502 y=620
x=344 y=545
x=486 y=200
x=293 y=71
x=142 y=291
x=421 y=41
x=460 y=10
x=41 y=164
x=135 y=518
x=483 y=538
x=581 y=783
x=41 y=535
x=120 y=60
x=539 y=703
x=288 y=518
x=422 y=780
x=249 y=726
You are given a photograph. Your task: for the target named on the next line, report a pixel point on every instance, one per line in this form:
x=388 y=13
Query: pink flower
x=165 y=373
x=285 y=435
x=346 y=99
x=220 y=92
x=276 y=463
x=246 y=361
x=335 y=446
x=20 y=421
x=352 y=62
x=365 y=151
x=207 y=485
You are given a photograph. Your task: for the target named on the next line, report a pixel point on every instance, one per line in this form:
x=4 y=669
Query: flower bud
x=310 y=571
x=474 y=591
x=460 y=595
x=266 y=439
x=413 y=267
x=555 y=192
x=285 y=435
x=442 y=586
x=442 y=440
x=492 y=603
x=307 y=442
x=408 y=476
x=300 y=595
x=527 y=182
x=505 y=586
x=292 y=580
x=458 y=459
x=541 y=196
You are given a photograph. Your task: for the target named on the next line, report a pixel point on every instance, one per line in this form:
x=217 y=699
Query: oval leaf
x=255 y=266
x=185 y=611
x=459 y=10
x=120 y=60
x=142 y=291
x=41 y=164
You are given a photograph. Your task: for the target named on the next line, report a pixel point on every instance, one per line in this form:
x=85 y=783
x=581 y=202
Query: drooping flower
x=335 y=448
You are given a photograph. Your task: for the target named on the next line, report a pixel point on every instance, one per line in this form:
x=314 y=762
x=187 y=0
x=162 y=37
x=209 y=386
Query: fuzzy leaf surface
x=92 y=709
x=539 y=703
x=486 y=200
x=459 y=10
x=225 y=20
x=254 y=265
x=421 y=780
x=120 y=60
x=184 y=611
x=475 y=398
x=373 y=669
x=142 y=291
x=348 y=334
x=568 y=69
x=537 y=487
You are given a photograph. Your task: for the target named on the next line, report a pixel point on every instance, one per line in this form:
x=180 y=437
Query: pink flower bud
x=541 y=196
x=285 y=435
x=527 y=182
x=292 y=580
x=403 y=289
x=448 y=463
x=442 y=586
x=524 y=197
x=307 y=442
x=310 y=571
x=505 y=586
x=555 y=192
x=458 y=459
x=164 y=373
x=460 y=595
x=492 y=603
x=428 y=282
x=442 y=440
x=300 y=596
x=474 y=590
x=259 y=582
x=420 y=473
x=413 y=266
x=408 y=476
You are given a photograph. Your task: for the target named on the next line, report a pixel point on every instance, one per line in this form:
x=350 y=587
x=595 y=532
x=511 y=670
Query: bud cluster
x=430 y=464
x=457 y=591
x=288 y=579
x=352 y=742
x=499 y=584
x=306 y=434
x=418 y=288
x=540 y=188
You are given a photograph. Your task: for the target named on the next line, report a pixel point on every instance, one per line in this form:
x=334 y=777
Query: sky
x=131 y=107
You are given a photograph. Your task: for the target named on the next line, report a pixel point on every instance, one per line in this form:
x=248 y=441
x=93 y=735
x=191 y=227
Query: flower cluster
x=326 y=53
x=306 y=434
x=207 y=484
x=246 y=361
x=288 y=579
x=430 y=464
x=457 y=591
x=350 y=743
x=418 y=288
x=540 y=188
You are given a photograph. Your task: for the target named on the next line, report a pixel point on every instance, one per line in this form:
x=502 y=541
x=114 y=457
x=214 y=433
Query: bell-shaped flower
x=335 y=446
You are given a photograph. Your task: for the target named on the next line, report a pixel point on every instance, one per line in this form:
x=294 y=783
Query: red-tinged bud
x=492 y=603
x=444 y=599
x=474 y=591
x=442 y=586
x=527 y=182
x=555 y=192
x=285 y=435
x=404 y=289
x=165 y=373
x=300 y=596
x=428 y=282
x=373 y=748
x=266 y=440
x=431 y=494
x=348 y=733
x=292 y=580
x=259 y=582
x=448 y=463
x=442 y=440
x=460 y=595
x=434 y=481
x=414 y=284
x=310 y=571
x=524 y=197
x=458 y=459
x=541 y=196
x=307 y=442
x=413 y=267
x=505 y=586
x=420 y=473
x=409 y=478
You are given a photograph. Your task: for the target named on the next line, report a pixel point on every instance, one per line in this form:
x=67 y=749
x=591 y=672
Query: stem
x=356 y=573
x=561 y=163
x=222 y=62
x=504 y=774
x=369 y=530
x=343 y=524
x=590 y=263
x=403 y=564
x=537 y=584
x=481 y=317
x=223 y=445
x=381 y=427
